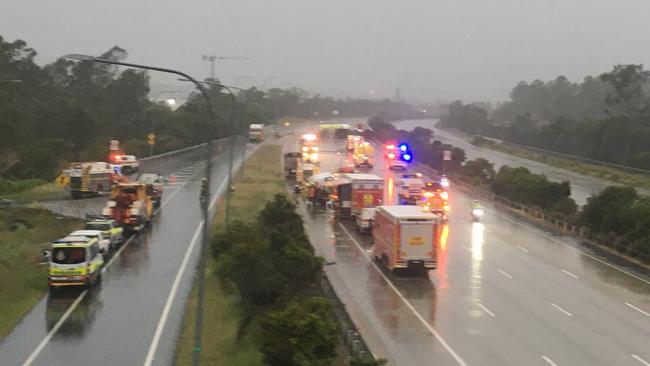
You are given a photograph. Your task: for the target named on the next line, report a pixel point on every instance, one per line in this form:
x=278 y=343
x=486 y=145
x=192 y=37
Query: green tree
x=479 y=170
x=603 y=212
x=304 y=333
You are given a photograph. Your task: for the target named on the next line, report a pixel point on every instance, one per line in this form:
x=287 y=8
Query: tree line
x=606 y=117
x=68 y=111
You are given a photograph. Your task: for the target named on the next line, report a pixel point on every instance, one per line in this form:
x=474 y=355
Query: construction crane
x=213 y=58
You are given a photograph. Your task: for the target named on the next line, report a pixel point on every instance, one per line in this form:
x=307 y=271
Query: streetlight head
x=78 y=57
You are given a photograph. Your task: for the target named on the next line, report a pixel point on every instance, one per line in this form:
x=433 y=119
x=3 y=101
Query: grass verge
x=43 y=192
x=257 y=182
x=581 y=167
x=22 y=279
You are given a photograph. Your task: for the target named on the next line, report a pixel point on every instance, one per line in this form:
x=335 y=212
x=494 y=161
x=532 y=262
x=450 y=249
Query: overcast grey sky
x=430 y=49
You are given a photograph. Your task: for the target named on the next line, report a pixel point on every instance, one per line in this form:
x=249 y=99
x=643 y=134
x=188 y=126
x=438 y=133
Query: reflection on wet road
x=505 y=293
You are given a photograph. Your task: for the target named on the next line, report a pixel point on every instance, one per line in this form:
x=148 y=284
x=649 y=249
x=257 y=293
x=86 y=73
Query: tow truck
x=130 y=206
x=154 y=187
x=256 y=132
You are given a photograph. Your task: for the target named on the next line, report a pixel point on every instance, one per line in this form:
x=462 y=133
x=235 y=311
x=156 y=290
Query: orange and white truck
x=406 y=237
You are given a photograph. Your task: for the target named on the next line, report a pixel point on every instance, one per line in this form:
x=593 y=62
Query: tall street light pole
x=205 y=189
x=233 y=121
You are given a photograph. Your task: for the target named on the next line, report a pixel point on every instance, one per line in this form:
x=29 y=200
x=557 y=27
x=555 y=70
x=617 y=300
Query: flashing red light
x=390 y=147
x=391 y=156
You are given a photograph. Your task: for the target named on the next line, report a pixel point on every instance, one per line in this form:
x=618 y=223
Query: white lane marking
x=74 y=305
x=569 y=273
x=486 y=309
x=405 y=301
x=118 y=253
x=522 y=248
x=56 y=327
x=170 y=298
x=548 y=361
x=644 y=362
x=574 y=248
x=172 y=294
x=504 y=273
x=638 y=309
x=560 y=309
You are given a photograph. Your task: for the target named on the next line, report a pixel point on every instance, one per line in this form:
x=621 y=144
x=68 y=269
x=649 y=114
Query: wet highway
x=505 y=293
x=115 y=323
x=582 y=186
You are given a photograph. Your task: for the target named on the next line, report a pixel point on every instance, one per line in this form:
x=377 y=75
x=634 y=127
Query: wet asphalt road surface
x=114 y=323
x=582 y=186
x=505 y=293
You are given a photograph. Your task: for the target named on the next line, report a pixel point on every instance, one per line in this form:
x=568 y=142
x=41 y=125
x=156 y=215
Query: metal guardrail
x=626 y=168
x=198 y=151
x=613 y=244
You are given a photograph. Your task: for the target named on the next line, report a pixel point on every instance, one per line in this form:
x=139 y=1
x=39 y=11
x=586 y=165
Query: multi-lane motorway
x=135 y=315
x=582 y=186
x=505 y=293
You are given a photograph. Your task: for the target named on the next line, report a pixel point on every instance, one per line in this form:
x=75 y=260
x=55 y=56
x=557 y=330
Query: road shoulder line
x=406 y=302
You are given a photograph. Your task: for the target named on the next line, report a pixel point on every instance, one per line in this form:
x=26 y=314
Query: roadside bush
x=603 y=212
x=305 y=332
x=520 y=185
x=479 y=171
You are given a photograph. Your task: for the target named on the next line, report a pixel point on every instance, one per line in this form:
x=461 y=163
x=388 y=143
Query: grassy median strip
x=599 y=171
x=256 y=184
x=23 y=281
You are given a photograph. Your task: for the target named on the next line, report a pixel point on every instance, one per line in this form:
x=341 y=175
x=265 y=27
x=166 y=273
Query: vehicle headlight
x=315 y=148
x=477 y=212
x=444 y=195
x=314 y=156
x=305 y=148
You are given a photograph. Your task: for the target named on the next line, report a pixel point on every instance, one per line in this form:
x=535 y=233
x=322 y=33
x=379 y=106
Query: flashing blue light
x=403 y=147
x=407 y=157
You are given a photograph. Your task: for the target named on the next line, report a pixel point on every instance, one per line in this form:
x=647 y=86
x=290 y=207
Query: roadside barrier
x=609 y=242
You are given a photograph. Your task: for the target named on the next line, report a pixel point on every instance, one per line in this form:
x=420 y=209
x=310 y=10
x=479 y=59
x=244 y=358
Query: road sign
x=446 y=155
x=115 y=145
x=62 y=180
x=151 y=139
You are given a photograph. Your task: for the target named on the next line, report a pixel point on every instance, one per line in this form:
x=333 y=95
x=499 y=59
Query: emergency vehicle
x=74 y=261
x=398 y=156
x=309 y=148
x=358 y=195
x=256 y=132
x=89 y=178
x=410 y=188
x=363 y=155
x=405 y=237
x=435 y=199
